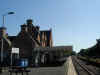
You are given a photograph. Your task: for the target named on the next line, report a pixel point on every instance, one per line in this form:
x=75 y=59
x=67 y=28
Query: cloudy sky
x=73 y=22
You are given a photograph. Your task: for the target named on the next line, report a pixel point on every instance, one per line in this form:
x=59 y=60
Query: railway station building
x=29 y=40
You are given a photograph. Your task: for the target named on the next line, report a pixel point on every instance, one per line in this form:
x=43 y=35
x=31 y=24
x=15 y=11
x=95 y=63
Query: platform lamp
x=3 y=26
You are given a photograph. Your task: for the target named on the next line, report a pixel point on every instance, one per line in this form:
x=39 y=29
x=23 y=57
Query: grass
x=94 y=61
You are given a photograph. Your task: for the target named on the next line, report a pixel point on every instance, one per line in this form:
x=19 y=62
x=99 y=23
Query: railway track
x=81 y=68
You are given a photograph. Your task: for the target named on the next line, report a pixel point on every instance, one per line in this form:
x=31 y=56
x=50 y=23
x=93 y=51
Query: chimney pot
x=24 y=28
x=29 y=22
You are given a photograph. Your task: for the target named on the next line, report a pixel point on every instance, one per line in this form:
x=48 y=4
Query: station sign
x=15 y=50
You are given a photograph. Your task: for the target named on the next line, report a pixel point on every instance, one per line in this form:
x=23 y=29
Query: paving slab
x=60 y=70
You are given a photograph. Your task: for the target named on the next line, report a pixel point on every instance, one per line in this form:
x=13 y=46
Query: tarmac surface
x=66 y=69
x=42 y=71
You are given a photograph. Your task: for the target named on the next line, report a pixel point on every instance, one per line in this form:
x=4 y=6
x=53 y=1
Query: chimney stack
x=2 y=31
x=24 y=28
x=29 y=22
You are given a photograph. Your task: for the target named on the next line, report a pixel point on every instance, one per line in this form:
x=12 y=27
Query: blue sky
x=74 y=22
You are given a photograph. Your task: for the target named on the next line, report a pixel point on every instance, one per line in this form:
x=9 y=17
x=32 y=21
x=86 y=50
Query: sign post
x=14 y=51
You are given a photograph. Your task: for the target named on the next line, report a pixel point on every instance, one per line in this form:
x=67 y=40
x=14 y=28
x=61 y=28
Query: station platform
x=69 y=67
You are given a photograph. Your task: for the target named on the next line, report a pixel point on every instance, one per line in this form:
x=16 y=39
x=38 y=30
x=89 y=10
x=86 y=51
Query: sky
x=73 y=22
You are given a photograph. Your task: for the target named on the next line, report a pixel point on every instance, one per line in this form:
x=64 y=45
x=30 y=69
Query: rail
x=84 y=67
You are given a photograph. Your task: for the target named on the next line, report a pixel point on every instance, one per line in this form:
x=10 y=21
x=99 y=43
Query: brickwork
x=27 y=39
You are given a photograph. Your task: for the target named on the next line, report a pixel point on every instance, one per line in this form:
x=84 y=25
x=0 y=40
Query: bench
x=17 y=70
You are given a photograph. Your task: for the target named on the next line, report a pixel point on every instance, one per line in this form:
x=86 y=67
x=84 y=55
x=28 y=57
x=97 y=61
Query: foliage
x=68 y=53
x=94 y=51
x=96 y=61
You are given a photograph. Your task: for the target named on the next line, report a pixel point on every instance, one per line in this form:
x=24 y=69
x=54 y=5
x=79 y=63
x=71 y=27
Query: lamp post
x=3 y=17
